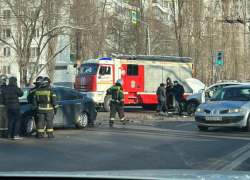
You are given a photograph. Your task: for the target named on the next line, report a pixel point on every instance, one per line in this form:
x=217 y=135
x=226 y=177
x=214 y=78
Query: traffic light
x=219 y=58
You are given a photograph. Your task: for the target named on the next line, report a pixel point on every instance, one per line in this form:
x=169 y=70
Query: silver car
x=228 y=107
x=193 y=101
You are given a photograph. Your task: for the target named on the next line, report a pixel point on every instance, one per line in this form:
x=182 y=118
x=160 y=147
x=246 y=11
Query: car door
x=58 y=119
x=70 y=106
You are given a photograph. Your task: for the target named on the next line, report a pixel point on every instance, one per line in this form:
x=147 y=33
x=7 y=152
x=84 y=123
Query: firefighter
x=37 y=84
x=45 y=101
x=3 y=110
x=117 y=102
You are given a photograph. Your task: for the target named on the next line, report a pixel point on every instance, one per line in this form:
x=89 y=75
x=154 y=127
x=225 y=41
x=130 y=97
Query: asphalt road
x=147 y=142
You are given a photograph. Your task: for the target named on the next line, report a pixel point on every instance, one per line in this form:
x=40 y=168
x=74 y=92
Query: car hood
x=138 y=174
x=195 y=84
x=220 y=105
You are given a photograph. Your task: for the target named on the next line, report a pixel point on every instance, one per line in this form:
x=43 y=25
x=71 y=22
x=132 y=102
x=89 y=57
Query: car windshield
x=232 y=94
x=88 y=69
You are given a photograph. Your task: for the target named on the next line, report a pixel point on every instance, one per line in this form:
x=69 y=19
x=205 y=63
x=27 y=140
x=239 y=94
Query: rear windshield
x=88 y=69
x=232 y=94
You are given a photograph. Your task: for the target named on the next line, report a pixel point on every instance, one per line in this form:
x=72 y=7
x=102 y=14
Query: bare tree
x=31 y=23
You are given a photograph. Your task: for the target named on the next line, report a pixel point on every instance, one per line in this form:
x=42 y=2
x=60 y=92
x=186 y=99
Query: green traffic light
x=219 y=62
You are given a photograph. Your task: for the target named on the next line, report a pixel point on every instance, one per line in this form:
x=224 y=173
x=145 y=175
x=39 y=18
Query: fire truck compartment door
x=134 y=78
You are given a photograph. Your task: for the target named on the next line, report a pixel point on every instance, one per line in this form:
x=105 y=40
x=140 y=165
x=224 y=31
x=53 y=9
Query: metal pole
x=212 y=69
x=148 y=39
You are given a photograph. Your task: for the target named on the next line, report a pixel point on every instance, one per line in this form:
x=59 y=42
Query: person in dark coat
x=11 y=95
x=161 y=97
x=3 y=110
x=178 y=92
x=169 y=94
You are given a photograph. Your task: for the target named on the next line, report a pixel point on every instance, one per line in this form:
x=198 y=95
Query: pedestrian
x=161 y=97
x=3 y=110
x=178 y=92
x=169 y=94
x=45 y=102
x=31 y=94
x=11 y=94
x=117 y=102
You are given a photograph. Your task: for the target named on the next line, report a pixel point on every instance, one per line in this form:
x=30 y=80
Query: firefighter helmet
x=39 y=81
x=46 y=82
x=3 y=79
x=119 y=81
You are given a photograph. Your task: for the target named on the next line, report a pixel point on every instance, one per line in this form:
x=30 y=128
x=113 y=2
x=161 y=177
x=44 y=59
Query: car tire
x=203 y=128
x=82 y=121
x=191 y=108
x=28 y=125
x=106 y=104
x=247 y=127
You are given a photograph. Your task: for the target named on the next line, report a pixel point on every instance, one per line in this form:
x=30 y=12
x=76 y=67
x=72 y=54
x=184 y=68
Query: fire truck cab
x=141 y=75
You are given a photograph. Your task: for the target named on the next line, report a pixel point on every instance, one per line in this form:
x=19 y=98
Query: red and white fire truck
x=141 y=75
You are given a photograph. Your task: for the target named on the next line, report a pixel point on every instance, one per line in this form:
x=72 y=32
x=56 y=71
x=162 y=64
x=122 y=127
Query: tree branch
x=53 y=57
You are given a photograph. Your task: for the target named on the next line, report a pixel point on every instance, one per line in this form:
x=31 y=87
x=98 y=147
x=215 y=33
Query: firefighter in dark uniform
x=3 y=110
x=45 y=102
x=31 y=94
x=117 y=102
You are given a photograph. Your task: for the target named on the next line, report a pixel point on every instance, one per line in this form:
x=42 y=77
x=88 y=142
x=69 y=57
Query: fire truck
x=141 y=74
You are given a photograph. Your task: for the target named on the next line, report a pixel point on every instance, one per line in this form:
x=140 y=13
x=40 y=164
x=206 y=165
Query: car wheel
x=191 y=108
x=82 y=120
x=203 y=128
x=247 y=127
x=106 y=104
x=29 y=125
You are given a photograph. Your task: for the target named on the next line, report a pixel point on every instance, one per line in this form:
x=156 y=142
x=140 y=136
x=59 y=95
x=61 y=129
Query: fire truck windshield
x=89 y=69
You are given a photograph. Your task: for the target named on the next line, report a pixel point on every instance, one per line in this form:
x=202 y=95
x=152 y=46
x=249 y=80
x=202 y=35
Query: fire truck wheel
x=149 y=106
x=106 y=104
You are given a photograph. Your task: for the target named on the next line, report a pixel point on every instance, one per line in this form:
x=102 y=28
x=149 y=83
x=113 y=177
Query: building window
x=31 y=68
x=165 y=4
x=132 y=70
x=6 y=70
x=6 y=51
x=6 y=33
x=36 y=33
x=34 y=51
x=60 y=67
x=6 y=14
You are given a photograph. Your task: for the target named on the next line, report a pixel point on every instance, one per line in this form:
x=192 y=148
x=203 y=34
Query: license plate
x=213 y=118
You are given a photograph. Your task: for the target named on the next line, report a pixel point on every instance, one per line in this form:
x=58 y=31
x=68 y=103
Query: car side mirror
x=211 y=93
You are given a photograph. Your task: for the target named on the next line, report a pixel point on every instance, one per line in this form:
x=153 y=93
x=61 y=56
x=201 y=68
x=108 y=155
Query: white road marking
x=183 y=125
x=237 y=161
x=229 y=160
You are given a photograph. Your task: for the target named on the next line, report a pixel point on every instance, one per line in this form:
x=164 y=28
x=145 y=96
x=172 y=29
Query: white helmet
x=119 y=81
